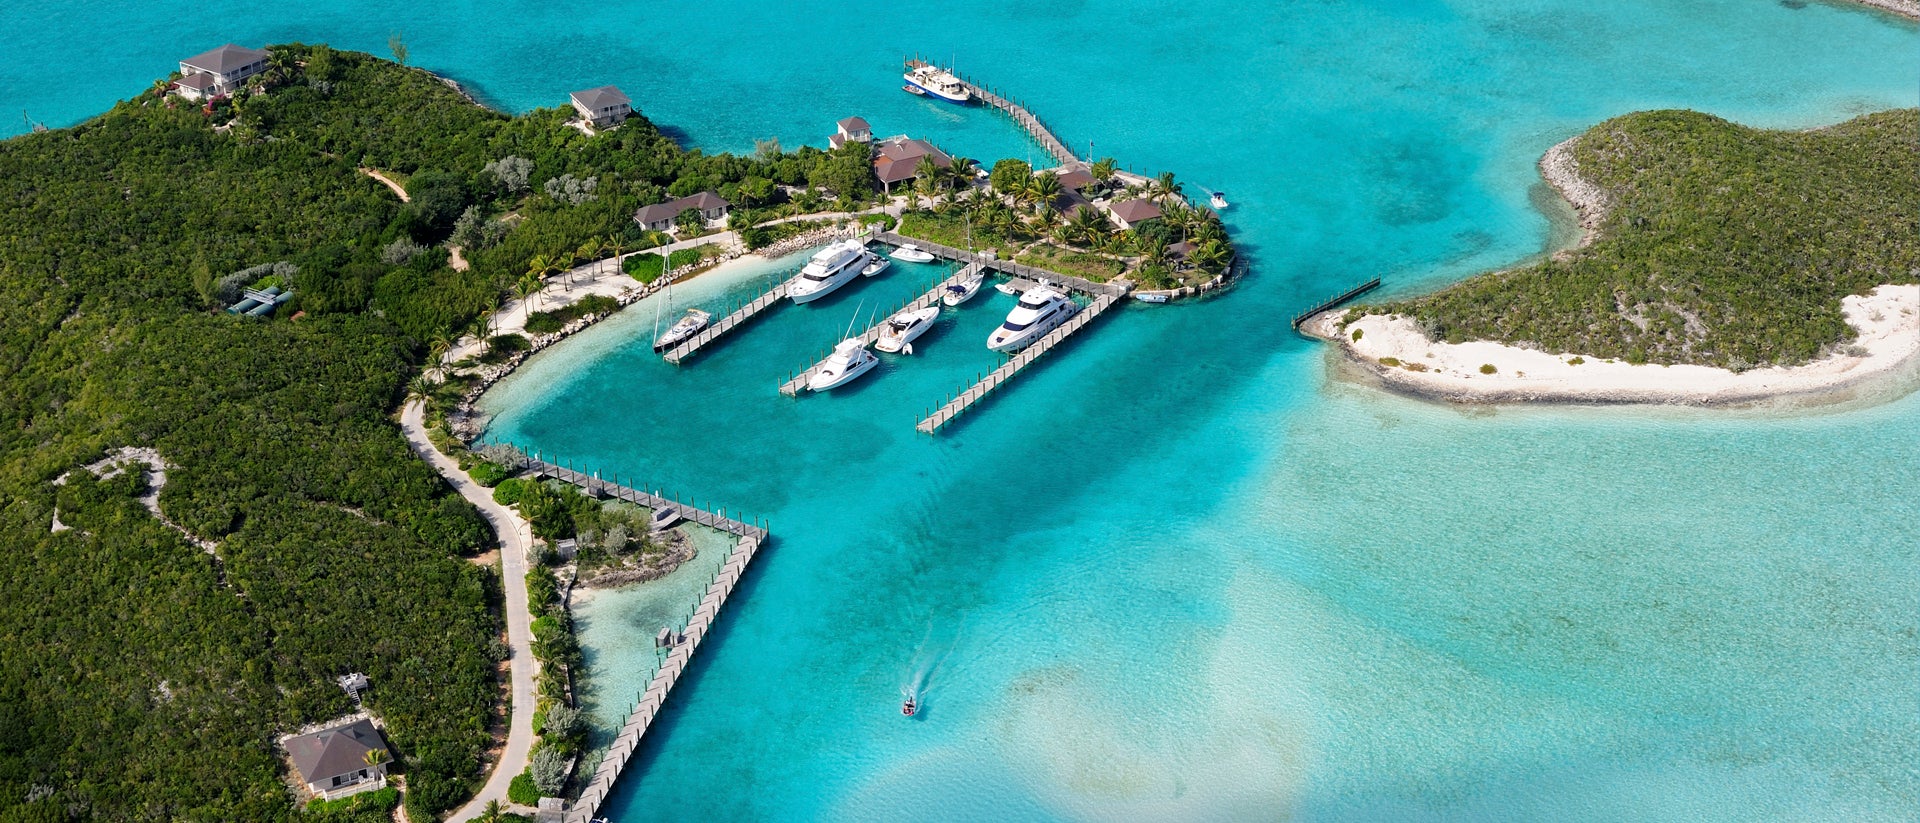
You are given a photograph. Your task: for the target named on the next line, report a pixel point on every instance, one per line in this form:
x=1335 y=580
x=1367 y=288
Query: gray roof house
x=660 y=216
x=851 y=130
x=602 y=107
x=1132 y=213
x=333 y=762
x=899 y=159
x=217 y=73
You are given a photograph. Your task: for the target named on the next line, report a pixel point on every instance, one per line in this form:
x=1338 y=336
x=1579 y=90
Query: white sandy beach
x=1887 y=319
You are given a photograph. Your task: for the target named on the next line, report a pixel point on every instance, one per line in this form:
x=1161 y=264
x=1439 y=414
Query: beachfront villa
x=334 y=762
x=851 y=130
x=663 y=216
x=217 y=73
x=898 y=159
x=602 y=107
x=1131 y=213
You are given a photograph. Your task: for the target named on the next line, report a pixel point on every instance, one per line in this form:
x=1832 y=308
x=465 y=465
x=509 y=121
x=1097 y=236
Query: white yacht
x=912 y=254
x=875 y=265
x=1041 y=309
x=849 y=360
x=902 y=328
x=829 y=269
x=685 y=327
x=964 y=290
x=938 y=82
x=1007 y=288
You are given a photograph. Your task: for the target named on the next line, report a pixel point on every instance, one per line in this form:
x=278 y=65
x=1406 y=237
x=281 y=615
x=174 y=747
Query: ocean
x=1184 y=568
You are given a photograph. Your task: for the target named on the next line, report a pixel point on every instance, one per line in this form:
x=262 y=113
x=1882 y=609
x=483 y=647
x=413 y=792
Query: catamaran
x=898 y=332
x=829 y=269
x=938 y=82
x=1041 y=309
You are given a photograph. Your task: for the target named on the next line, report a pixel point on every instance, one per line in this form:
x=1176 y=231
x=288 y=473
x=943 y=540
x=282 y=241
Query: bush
x=522 y=791
x=508 y=343
x=549 y=771
x=487 y=474
x=382 y=800
x=509 y=492
x=1576 y=361
x=545 y=322
x=644 y=267
x=1389 y=362
x=1357 y=334
x=1487 y=368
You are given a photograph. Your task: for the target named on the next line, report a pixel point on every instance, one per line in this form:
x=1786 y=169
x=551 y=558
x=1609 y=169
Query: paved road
x=515 y=537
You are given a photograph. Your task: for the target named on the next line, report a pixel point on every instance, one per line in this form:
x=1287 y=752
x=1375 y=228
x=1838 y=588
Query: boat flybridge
x=938 y=82
x=1041 y=310
x=849 y=360
x=829 y=269
x=964 y=290
x=898 y=332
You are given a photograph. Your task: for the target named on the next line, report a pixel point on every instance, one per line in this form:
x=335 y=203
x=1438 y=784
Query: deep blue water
x=1180 y=570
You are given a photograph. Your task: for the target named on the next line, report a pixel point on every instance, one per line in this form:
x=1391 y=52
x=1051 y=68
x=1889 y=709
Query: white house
x=661 y=216
x=334 y=763
x=217 y=73
x=1131 y=213
x=851 y=130
x=602 y=107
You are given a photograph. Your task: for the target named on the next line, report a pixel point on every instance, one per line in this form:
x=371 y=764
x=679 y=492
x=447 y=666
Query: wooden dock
x=1027 y=120
x=739 y=316
x=794 y=385
x=1335 y=301
x=998 y=377
x=680 y=656
x=1118 y=288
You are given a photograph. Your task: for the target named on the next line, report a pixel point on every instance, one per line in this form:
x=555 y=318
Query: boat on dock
x=964 y=290
x=938 y=82
x=875 y=265
x=1150 y=296
x=687 y=326
x=900 y=330
x=912 y=254
x=829 y=269
x=1040 y=310
x=849 y=360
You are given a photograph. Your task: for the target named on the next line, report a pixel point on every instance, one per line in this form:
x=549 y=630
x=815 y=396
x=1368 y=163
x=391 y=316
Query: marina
x=986 y=385
x=733 y=320
x=1025 y=119
x=798 y=381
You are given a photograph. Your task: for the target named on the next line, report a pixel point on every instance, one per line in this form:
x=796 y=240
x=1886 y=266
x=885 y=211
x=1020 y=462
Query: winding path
x=515 y=537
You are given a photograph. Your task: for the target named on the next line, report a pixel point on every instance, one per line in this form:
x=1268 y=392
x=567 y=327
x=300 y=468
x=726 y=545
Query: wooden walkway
x=999 y=377
x=752 y=537
x=1027 y=120
x=732 y=321
x=1335 y=301
x=795 y=384
x=1116 y=288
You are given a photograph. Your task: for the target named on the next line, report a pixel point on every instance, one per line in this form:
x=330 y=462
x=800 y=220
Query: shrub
x=545 y=322
x=1577 y=360
x=508 y=492
x=549 y=771
x=487 y=474
x=686 y=257
x=508 y=343
x=1389 y=362
x=1357 y=334
x=644 y=267
x=522 y=791
x=1487 y=368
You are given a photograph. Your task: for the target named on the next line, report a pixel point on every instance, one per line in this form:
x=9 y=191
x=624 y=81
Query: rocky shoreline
x=1909 y=9
x=1590 y=202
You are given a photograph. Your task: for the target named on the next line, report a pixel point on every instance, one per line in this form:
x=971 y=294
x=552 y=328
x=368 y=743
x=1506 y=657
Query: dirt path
x=375 y=174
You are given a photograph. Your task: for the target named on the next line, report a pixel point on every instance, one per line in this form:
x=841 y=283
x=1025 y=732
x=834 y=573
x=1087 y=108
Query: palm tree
x=619 y=244
x=1046 y=219
x=960 y=174
x=1044 y=187
x=1209 y=255
x=1166 y=186
x=526 y=289
x=1102 y=170
x=591 y=251
x=538 y=266
x=925 y=185
x=492 y=813
x=1087 y=226
x=374 y=757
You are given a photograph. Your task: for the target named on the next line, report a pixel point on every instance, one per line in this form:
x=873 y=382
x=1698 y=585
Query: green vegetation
x=1488 y=368
x=371 y=807
x=1726 y=246
x=548 y=322
x=1096 y=267
x=522 y=791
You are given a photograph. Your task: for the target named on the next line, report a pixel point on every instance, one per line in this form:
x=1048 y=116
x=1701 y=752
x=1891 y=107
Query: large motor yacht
x=1041 y=309
x=902 y=328
x=849 y=360
x=829 y=269
x=938 y=82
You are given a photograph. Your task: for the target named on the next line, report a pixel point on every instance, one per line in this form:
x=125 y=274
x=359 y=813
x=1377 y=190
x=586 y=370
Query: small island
x=1720 y=264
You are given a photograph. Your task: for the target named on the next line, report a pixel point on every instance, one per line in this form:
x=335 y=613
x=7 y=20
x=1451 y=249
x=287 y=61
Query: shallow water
x=1177 y=571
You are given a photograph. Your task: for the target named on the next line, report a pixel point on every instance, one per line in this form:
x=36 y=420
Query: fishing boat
x=686 y=327
x=912 y=254
x=964 y=290
x=1218 y=199
x=1150 y=296
x=849 y=360
x=899 y=330
x=938 y=82
x=875 y=265
x=1041 y=310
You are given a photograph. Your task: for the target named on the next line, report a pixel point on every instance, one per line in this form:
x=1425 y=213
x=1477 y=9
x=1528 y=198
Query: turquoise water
x=1179 y=571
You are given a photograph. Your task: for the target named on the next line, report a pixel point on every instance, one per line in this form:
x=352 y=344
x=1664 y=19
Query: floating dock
x=793 y=386
x=752 y=537
x=998 y=377
x=739 y=316
x=1335 y=301
x=1027 y=120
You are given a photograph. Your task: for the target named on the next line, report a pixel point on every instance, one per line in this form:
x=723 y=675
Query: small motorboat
x=1150 y=296
x=1218 y=199
x=913 y=89
x=964 y=290
x=900 y=329
x=912 y=254
x=685 y=327
x=909 y=706
x=1007 y=288
x=875 y=265
x=849 y=360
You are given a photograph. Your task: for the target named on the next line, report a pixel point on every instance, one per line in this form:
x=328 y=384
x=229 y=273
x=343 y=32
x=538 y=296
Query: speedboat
x=909 y=706
x=875 y=265
x=1150 y=296
x=1007 y=288
x=1041 y=310
x=849 y=360
x=912 y=254
x=938 y=82
x=829 y=269
x=685 y=327
x=1218 y=199
x=913 y=89
x=964 y=290
x=900 y=329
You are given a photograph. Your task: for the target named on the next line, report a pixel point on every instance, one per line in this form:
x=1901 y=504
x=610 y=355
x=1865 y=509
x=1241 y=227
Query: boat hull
x=955 y=298
x=823 y=382
x=826 y=287
x=963 y=99
x=892 y=344
x=1028 y=336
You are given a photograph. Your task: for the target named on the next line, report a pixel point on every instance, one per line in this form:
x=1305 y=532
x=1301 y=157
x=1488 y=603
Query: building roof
x=672 y=208
x=333 y=752
x=225 y=60
x=198 y=82
x=1134 y=211
x=899 y=158
x=854 y=124
x=602 y=97
x=1075 y=179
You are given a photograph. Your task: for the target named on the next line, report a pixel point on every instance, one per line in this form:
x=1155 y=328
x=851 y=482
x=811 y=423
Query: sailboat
x=687 y=326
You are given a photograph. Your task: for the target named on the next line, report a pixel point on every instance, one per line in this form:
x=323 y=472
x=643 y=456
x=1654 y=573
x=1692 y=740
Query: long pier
x=1117 y=288
x=1335 y=301
x=998 y=377
x=752 y=537
x=739 y=316
x=792 y=387
x=1027 y=120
